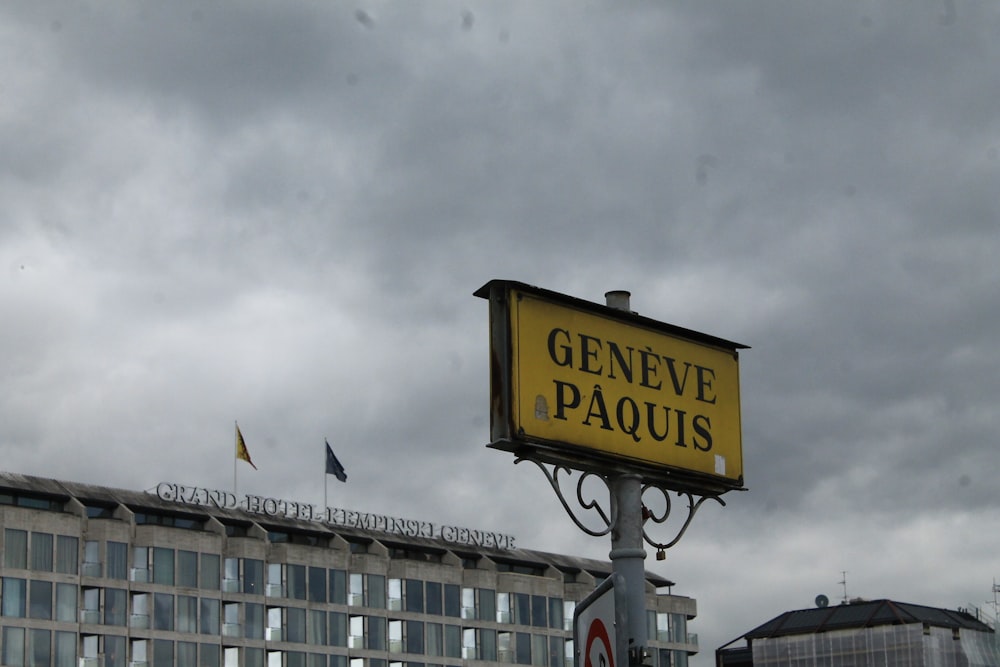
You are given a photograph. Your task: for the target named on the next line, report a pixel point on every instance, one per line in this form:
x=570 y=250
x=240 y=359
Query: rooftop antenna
x=843 y=582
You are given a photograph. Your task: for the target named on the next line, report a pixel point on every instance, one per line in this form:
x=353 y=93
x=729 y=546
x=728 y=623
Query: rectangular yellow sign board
x=599 y=384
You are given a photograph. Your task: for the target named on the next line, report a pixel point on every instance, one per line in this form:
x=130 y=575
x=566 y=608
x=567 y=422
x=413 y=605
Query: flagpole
x=236 y=430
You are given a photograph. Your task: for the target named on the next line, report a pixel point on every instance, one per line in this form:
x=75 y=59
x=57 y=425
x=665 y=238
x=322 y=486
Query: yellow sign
x=584 y=379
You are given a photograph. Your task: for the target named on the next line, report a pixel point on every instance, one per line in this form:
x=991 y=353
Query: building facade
x=866 y=633
x=99 y=577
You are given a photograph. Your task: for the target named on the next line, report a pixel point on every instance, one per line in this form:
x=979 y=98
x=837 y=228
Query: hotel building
x=101 y=577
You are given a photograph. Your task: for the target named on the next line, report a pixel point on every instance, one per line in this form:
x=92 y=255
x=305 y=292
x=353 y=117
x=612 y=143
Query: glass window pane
x=187 y=615
x=14 y=597
x=209 y=624
x=15 y=548
x=556 y=613
x=487 y=608
x=539 y=650
x=65 y=649
x=539 y=609
x=163 y=611
x=317 y=584
x=433 y=599
x=338 y=628
x=163 y=652
x=187 y=569
x=296 y=575
x=487 y=645
x=40 y=599
x=452 y=641
x=115 y=608
x=41 y=552
x=13 y=646
x=66 y=595
x=414 y=637
x=338 y=586
x=316 y=631
x=377 y=633
x=253 y=576
x=117 y=560
x=41 y=647
x=114 y=651
x=209 y=575
x=67 y=554
x=187 y=653
x=521 y=608
x=254 y=616
x=522 y=648
x=435 y=639
x=295 y=625
x=209 y=655
x=376 y=591
x=163 y=566
x=452 y=600
x=415 y=595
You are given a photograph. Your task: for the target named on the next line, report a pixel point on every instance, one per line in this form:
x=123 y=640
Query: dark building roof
x=863 y=614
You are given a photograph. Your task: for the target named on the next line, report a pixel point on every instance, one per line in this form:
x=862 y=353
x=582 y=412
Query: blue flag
x=333 y=466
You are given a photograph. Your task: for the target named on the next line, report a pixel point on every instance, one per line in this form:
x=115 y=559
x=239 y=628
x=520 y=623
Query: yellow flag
x=241 y=448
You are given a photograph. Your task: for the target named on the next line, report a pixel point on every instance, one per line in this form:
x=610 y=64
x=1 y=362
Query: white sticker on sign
x=720 y=465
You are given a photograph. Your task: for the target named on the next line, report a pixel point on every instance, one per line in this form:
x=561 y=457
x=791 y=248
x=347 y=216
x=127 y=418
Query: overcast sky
x=277 y=213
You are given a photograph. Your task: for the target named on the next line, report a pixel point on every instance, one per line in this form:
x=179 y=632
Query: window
x=163 y=652
x=208 y=578
x=395 y=588
x=522 y=648
x=503 y=607
x=556 y=613
x=15 y=548
x=468 y=603
x=231 y=620
x=91 y=558
x=210 y=654
x=415 y=595
x=338 y=628
x=117 y=558
x=67 y=554
x=376 y=633
x=434 y=600
x=316 y=629
x=187 y=653
x=435 y=639
x=376 y=591
x=452 y=600
x=65 y=649
x=338 y=586
x=163 y=611
x=14 y=593
x=296 y=581
x=163 y=566
x=253 y=621
x=140 y=564
x=539 y=609
x=231 y=575
x=556 y=651
x=187 y=569
x=486 y=605
x=187 y=615
x=295 y=625
x=140 y=610
x=569 y=608
x=41 y=647
x=414 y=637
x=40 y=599
x=41 y=552
x=13 y=646
x=317 y=584
x=253 y=576
x=539 y=650
x=209 y=616
x=521 y=608
x=115 y=606
x=452 y=641
x=66 y=596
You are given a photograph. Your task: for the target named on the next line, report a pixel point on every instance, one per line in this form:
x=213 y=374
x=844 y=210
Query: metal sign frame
x=508 y=434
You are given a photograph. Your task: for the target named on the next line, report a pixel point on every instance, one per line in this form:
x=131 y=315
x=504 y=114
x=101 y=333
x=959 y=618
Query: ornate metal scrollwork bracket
x=555 y=473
